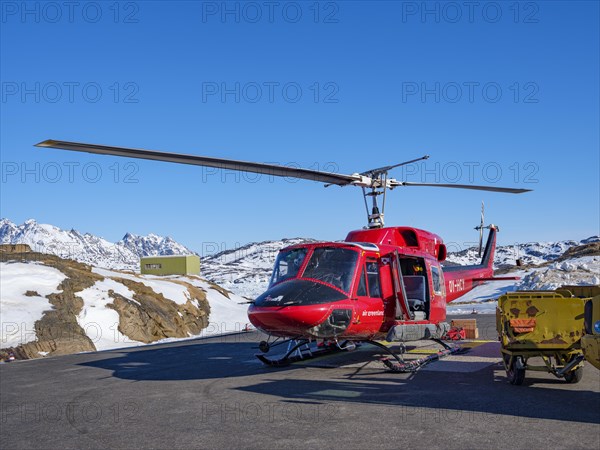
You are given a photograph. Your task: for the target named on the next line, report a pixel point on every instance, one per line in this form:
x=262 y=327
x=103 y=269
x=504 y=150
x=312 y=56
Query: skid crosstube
x=415 y=365
x=395 y=363
x=290 y=357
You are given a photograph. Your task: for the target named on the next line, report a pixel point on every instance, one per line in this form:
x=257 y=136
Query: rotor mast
x=379 y=186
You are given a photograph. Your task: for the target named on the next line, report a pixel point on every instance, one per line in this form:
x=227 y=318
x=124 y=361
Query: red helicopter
x=379 y=283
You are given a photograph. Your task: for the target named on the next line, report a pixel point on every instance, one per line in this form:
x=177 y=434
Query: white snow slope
x=19 y=312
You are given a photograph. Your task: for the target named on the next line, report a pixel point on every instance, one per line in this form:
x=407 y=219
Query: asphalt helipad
x=212 y=393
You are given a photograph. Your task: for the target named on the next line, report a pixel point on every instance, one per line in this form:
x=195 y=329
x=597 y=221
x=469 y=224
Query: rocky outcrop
x=147 y=317
x=151 y=316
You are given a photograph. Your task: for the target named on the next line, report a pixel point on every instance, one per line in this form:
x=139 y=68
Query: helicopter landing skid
x=299 y=350
x=415 y=365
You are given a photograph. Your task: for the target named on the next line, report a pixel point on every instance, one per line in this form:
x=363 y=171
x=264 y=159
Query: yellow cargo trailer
x=543 y=324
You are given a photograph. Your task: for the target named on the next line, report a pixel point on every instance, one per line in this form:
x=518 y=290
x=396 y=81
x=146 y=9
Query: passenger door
x=437 y=305
x=368 y=294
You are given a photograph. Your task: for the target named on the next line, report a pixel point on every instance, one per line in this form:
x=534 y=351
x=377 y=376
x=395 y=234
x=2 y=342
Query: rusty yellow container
x=544 y=324
x=540 y=321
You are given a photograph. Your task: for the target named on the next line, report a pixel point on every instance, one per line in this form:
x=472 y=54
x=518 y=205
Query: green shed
x=170 y=265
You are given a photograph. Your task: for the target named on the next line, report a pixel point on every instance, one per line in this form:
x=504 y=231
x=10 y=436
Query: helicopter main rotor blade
x=388 y=168
x=219 y=163
x=394 y=183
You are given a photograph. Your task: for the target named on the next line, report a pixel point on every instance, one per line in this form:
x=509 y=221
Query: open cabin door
x=403 y=311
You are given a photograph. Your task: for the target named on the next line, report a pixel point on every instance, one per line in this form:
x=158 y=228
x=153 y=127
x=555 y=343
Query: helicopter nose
x=295 y=307
x=294 y=320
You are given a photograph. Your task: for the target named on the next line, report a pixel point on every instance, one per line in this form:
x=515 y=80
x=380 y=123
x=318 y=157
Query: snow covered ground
x=576 y=271
x=19 y=311
x=482 y=299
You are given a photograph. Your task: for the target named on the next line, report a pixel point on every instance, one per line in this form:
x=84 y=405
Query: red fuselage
x=349 y=290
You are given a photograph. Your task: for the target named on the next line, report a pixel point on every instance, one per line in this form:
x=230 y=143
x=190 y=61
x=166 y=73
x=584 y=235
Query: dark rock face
x=152 y=316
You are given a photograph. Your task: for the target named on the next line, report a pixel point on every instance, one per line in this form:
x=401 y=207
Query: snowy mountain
x=87 y=248
x=244 y=270
x=530 y=253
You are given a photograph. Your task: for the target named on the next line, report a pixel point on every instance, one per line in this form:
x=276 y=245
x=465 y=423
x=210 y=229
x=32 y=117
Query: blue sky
x=503 y=94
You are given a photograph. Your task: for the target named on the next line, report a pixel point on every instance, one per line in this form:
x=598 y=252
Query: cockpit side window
x=373 y=279
x=362 y=285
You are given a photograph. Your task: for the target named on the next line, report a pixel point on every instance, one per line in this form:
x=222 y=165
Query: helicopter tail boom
x=461 y=279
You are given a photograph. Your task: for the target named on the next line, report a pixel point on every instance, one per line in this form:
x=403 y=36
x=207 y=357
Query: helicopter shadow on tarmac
x=482 y=392
x=201 y=359
x=430 y=394
x=219 y=357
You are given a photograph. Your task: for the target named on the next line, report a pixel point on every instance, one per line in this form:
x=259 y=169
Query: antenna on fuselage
x=480 y=228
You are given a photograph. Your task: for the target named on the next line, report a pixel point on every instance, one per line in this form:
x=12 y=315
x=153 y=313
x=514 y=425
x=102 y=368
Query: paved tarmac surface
x=213 y=393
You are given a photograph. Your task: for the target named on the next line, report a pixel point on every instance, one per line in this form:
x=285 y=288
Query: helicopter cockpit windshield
x=332 y=265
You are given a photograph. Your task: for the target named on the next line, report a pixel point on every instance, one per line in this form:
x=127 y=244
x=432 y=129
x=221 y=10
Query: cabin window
x=373 y=279
x=436 y=280
x=153 y=266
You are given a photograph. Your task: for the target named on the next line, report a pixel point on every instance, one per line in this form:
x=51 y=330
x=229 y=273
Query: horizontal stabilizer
x=497 y=278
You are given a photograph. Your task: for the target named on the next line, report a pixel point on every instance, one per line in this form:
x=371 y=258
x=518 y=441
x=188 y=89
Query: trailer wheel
x=516 y=371
x=574 y=376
